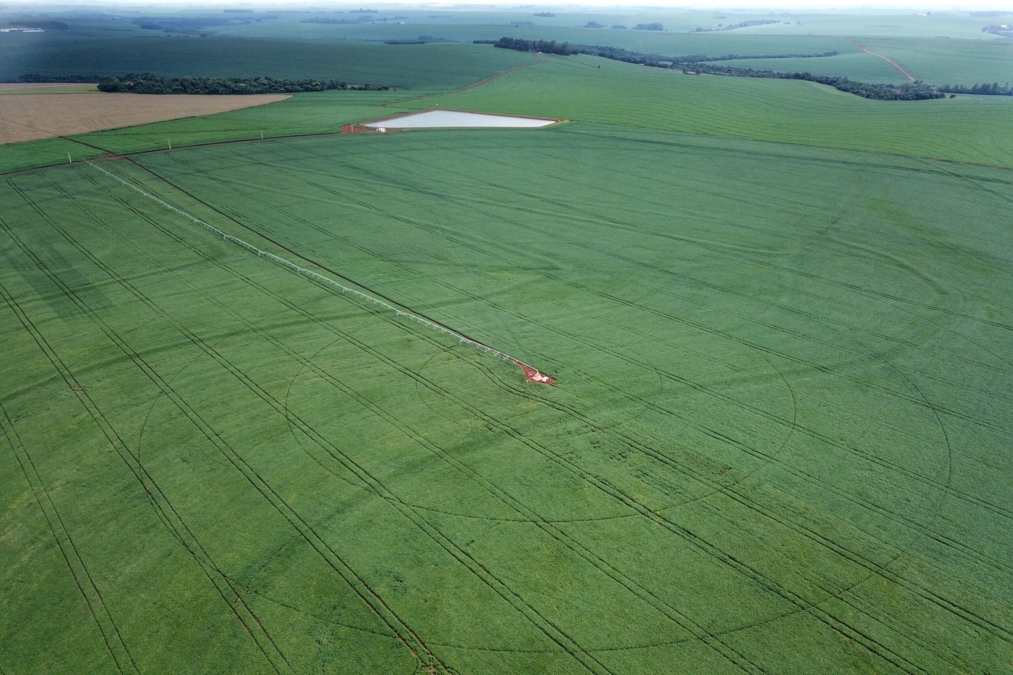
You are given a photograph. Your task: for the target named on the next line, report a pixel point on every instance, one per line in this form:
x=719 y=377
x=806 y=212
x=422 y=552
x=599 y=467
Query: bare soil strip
x=890 y=61
x=32 y=117
x=535 y=376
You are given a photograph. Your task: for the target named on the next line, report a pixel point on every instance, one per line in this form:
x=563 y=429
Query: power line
x=530 y=372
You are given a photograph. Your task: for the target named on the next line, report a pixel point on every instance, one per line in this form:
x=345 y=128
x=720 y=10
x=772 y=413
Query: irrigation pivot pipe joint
x=530 y=372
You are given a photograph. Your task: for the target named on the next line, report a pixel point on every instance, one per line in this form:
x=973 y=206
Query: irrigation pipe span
x=530 y=372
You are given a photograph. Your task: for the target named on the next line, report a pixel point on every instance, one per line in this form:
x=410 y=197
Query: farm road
x=890 y=61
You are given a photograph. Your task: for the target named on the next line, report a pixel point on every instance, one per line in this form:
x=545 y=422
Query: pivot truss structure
x=530 y=372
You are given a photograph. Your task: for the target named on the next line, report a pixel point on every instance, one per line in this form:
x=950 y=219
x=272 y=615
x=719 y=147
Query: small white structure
x=455 y=119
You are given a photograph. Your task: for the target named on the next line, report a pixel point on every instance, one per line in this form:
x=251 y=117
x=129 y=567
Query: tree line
x=62 y=78
x=914 y=91
x=697 y=64
x=365 y=18
x=620 y=54
x=196 y=25
x=422 y=40
x=146 y=83
x=744 y=24
x=44 y=25
x=985 y=89
x=521 y=45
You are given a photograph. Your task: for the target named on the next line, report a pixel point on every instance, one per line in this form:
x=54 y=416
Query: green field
x=317 y=113
x=710 y=43
x=303 y=114
x=936 y=61
x=782 y=387
x=937 y=49
x=22 y=156
x=419 y=67
x=950 y=61
x=471 y=25
x=778 y=315
x=856 y=65
x=966 y=129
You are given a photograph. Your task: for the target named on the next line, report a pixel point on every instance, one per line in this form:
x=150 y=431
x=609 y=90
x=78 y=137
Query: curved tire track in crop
x=879 y=650
x=167 y=513
x=552 y=631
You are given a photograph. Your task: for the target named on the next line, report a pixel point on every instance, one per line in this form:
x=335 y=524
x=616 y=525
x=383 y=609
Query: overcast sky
x=903 y=6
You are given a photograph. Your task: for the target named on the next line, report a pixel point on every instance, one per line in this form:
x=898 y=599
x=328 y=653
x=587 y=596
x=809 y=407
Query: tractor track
x=864 y=639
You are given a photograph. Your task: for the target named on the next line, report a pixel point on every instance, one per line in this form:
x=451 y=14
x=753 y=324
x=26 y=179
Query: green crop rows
x=21 y=156
x=318 y=113
x=781 y=406
x=779 y=317
x=937 y=61
x=950 y=61
x=966 y=129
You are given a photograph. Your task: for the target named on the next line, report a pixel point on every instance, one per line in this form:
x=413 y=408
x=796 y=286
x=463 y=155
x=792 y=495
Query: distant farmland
x=419 y=67
x=965 y=129
x=779 y=417
x=30 y=117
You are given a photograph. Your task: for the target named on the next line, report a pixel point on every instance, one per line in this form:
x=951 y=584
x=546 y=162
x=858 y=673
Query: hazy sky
x=794 y=5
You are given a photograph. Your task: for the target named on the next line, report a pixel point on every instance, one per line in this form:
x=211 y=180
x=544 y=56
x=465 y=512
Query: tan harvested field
x=31 y=117
x=17 y=88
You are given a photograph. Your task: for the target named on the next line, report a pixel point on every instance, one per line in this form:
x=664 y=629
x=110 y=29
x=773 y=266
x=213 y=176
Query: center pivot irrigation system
x=530 y=372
